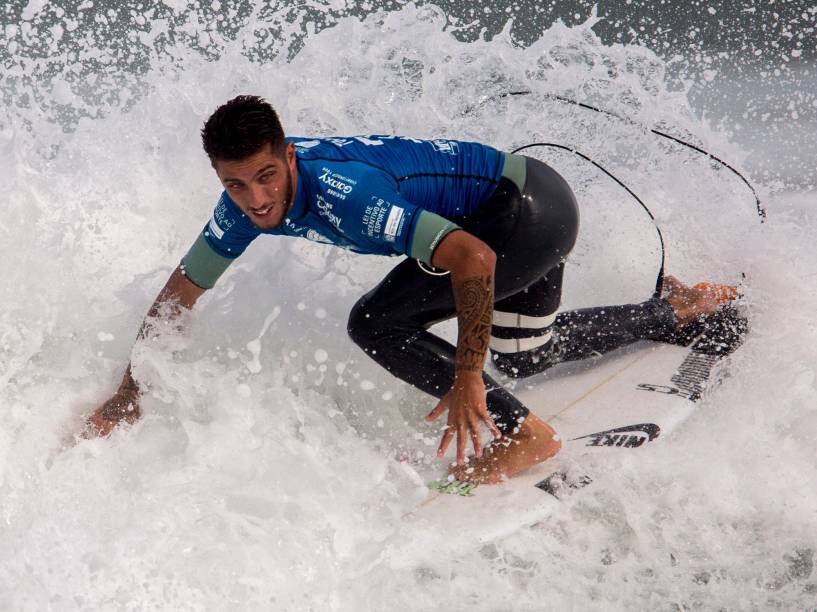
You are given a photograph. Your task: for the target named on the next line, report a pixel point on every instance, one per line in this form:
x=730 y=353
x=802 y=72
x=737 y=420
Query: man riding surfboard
x=502 y=225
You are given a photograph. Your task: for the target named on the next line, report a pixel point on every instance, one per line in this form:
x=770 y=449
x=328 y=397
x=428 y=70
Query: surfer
x=486 y=234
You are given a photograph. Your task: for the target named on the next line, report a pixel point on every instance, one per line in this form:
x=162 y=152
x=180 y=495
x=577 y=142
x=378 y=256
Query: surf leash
x=660 y=278
x=761 y=211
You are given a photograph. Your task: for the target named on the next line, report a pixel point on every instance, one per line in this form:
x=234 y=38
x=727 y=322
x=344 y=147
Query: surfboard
x=622 y=402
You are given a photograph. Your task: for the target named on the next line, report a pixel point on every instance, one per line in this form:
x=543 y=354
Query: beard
x=289 y=195
x=282 y=207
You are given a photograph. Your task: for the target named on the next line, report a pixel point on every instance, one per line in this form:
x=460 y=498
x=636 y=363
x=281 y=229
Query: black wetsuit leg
x=531 y=232
x=572 y=335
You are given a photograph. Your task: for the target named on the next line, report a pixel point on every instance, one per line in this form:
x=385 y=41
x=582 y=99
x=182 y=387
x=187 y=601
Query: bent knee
x=525 y=363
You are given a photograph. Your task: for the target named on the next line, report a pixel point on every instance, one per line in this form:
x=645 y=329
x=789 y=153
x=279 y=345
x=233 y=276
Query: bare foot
x=689 y=303
x=533 y=443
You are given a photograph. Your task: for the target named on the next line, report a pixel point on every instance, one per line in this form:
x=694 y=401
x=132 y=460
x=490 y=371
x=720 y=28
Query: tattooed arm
x=474 y=298
x=472 y=264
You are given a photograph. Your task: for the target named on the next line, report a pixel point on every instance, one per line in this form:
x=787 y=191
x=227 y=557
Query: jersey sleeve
x=225 y=237
x=375 y=214
x=429 y=230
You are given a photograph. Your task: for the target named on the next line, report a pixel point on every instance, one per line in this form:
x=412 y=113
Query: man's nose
x=258 y=197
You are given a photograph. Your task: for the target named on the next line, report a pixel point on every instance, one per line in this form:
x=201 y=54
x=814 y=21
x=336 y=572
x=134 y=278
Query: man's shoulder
x=342 y=146
x=393 y=158
x=388 y=150
x=330 y=163
x=332 y=147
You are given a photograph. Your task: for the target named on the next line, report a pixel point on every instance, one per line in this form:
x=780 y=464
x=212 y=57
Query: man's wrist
x=467 y=374
x=128 y=384
x=117 y=410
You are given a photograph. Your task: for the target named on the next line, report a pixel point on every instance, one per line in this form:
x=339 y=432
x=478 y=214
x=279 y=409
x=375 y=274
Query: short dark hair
x=240 y=128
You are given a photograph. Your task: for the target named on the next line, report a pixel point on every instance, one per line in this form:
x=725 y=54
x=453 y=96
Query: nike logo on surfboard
x=631 y=436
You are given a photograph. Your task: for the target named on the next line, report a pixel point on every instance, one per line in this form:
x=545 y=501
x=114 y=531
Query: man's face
x=263 y=184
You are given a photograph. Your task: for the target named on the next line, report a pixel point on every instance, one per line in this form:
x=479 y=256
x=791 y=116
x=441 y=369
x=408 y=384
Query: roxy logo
x=325 y=210
x=335 y=183
x=631 y=436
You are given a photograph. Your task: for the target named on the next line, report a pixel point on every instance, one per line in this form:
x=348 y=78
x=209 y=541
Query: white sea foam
x=256 y=482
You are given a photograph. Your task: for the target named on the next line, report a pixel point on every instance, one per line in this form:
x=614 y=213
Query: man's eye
x=265 y=177
x=233 y=186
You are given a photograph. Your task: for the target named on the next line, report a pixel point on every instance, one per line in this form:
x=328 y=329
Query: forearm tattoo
x=474 y=298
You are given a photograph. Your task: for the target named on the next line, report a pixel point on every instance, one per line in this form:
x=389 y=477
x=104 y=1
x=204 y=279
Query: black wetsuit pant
x=531 y=233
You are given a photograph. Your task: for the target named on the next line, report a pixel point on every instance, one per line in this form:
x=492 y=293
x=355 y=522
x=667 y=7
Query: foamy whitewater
x=275 y=462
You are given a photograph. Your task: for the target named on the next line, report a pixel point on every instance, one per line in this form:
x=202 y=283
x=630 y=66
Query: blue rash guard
x=383 y=195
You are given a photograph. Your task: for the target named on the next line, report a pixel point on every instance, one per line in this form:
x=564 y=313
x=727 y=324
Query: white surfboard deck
x=615 y=404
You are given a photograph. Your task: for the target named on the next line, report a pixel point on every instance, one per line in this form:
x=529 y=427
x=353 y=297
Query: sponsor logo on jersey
x=371 y=141
x=306 y=232
x=325 y=210
x=375 y=140
x=450 y=147
x=215 y=230
x=631 y=436
x=220 y=222
x=316 y=237
x=339 y=186
x=394 y=223
x=330 y=179
x=374 y=216
x=339 y=142
x=439 y=235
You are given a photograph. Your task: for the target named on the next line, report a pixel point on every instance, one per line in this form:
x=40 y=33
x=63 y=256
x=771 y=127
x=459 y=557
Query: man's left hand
x=466 y=407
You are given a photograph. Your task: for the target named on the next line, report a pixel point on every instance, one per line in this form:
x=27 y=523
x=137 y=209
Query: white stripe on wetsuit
x=513 y=319
x=517 y=345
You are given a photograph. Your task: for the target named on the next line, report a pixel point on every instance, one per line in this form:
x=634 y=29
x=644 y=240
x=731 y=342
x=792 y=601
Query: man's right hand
x=178 y=292
x=124 y=406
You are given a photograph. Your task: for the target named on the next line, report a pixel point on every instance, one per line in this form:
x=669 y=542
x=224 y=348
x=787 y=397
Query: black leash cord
x=660 y=280
x=760 y=210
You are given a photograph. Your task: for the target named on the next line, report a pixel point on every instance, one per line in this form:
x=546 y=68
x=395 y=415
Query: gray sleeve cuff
x=429 y=230
x=202 y=265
